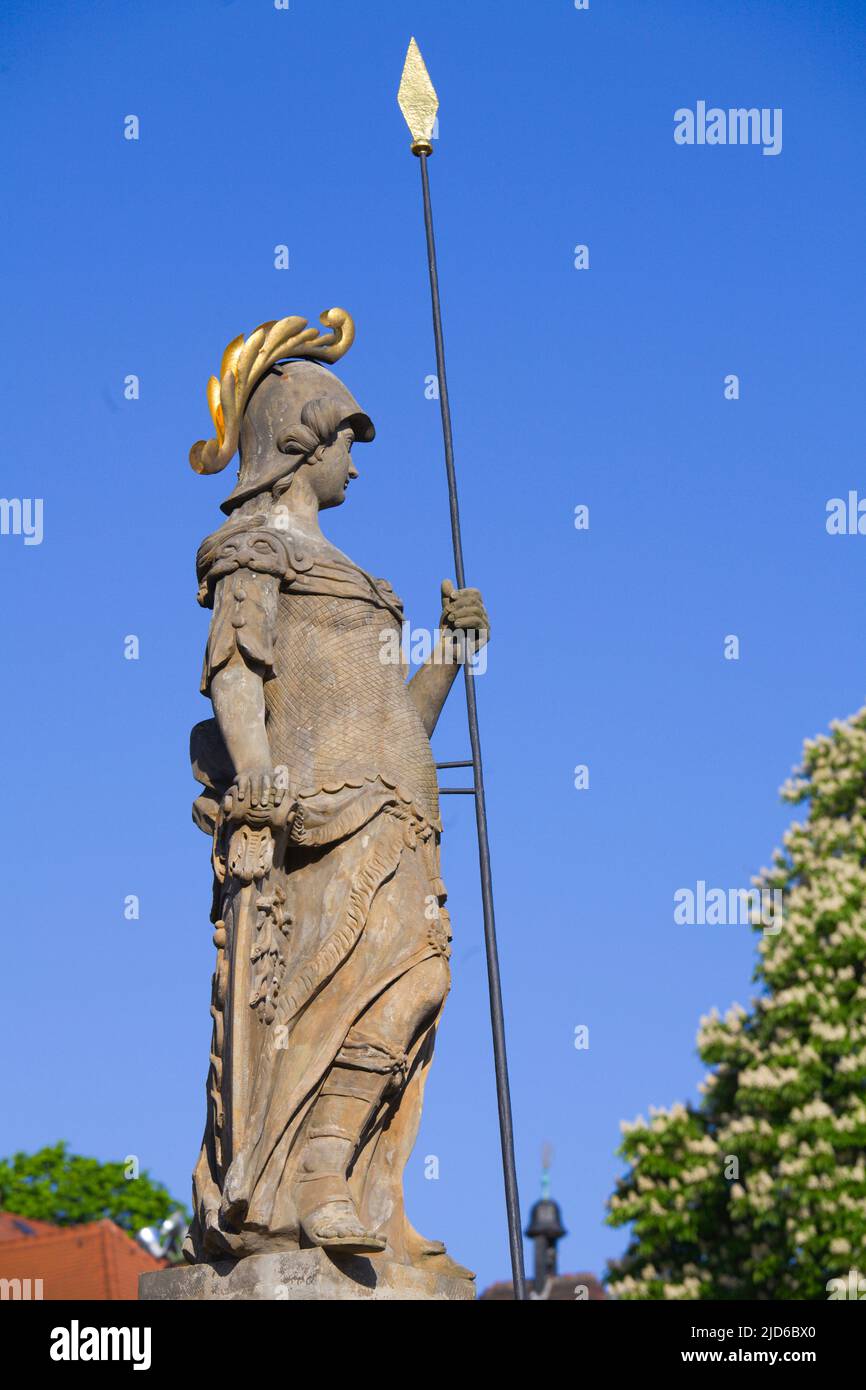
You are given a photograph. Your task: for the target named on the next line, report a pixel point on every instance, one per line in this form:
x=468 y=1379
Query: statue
x=320 y=795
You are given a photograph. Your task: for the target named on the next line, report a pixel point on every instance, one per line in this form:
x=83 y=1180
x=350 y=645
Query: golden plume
x=245 y=363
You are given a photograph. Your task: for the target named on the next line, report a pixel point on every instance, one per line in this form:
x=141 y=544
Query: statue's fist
x=463 y=611
x=259 y=796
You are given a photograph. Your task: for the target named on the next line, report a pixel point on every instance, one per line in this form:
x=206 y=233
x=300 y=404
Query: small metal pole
x=497 y=1018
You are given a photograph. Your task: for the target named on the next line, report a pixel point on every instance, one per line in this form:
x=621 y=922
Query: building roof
x=96 y=1261
x=573 y=1288
x=15 y=1227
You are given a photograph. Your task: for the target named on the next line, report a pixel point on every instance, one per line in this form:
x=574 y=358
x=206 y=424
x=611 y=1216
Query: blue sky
x=602 y=387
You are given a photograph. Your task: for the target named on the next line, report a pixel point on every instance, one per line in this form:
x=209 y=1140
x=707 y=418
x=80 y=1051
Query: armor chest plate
x=338 y=708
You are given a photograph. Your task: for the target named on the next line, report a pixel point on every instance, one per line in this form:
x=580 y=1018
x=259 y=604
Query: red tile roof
x=95 y=1261
x=14 y=1227
x=561 y=1288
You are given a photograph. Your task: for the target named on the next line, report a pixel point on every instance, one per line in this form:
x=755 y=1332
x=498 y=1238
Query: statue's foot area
x=335 y=1225
x=435 y=1259
x=444 y=1264
x=328 y=1217
x=432 y=1256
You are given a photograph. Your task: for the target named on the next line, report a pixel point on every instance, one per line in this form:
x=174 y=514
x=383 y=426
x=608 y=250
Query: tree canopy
x=759 y=1190
x=68 y=1189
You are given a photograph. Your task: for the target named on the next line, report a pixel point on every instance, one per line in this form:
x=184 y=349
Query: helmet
x=294 y=408
x=274 y=400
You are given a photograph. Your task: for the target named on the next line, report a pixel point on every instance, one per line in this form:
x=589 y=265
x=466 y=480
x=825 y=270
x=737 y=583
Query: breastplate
x=338 y=708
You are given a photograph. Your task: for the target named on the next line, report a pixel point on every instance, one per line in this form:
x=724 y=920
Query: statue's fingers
x=465 y=617
x=481 y=622
x=448 y=590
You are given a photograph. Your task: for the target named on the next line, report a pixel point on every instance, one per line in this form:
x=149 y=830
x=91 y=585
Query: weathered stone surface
x=307 y=1276
x=320 y=802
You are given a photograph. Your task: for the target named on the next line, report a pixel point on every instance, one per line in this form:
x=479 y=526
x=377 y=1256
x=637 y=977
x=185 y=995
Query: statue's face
x=331 y=469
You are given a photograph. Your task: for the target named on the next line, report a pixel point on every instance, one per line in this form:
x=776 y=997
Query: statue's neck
x=303 y=512
x=295 y=513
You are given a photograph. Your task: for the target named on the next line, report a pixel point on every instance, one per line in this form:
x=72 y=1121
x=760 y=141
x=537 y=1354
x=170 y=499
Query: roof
x=562 y=1288
x=96 y=1261
x=13 y=1227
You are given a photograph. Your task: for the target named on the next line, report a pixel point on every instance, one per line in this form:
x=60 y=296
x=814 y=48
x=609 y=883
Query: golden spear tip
x=417 y=100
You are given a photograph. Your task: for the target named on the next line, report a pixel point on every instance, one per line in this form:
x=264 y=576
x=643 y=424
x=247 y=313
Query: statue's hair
x=320 y=422
x=245 y=363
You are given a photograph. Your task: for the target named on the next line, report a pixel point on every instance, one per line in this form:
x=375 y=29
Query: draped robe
x=314 y=923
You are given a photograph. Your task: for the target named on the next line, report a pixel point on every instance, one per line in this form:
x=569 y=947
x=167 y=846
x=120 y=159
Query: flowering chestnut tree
x=759 y=1190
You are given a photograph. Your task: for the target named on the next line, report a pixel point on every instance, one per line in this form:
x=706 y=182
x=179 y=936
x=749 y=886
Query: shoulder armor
x=249 y=546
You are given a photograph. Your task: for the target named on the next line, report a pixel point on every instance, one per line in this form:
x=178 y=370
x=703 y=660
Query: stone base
x=303 y=1276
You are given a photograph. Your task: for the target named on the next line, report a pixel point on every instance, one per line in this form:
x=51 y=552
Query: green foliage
x=66 y=1189
x=759 y=1191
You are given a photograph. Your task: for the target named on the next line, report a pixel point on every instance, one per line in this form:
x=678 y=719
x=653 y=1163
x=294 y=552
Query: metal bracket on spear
x=419 y=103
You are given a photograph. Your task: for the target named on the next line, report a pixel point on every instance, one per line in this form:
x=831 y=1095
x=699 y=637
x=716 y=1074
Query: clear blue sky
x=602 y=387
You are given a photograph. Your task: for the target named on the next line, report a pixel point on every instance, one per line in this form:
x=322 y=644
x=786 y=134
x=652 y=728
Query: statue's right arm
x=238 y=660
x=238 y=699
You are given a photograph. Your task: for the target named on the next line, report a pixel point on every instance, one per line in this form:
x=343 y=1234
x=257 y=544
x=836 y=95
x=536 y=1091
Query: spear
x=419 y=103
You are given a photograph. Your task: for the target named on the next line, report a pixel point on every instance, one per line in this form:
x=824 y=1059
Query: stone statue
x=320 y=794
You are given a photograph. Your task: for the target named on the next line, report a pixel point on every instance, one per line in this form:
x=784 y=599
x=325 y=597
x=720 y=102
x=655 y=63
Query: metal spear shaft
x=418 y=99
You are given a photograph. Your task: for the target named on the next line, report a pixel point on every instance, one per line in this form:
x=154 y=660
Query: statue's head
x=299 y=415
x=284 y=414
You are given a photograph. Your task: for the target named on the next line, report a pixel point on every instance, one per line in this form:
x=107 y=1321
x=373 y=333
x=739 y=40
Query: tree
x=67 y=1189
x=759 y=1190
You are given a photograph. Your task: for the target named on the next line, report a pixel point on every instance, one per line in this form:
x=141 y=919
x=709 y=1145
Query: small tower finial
x=545 y=1229
x=546 y=1161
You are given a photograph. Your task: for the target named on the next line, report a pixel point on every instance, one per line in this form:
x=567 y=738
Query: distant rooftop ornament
x=545 y=1230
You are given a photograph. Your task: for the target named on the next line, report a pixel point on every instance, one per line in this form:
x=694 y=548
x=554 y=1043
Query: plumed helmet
x=297 y=406
x=275 y=401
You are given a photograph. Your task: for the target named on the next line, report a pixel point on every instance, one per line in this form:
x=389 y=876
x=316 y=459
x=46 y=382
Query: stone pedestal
x=303 y=1276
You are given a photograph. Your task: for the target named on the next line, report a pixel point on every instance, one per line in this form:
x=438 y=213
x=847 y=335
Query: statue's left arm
x=464 y=628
